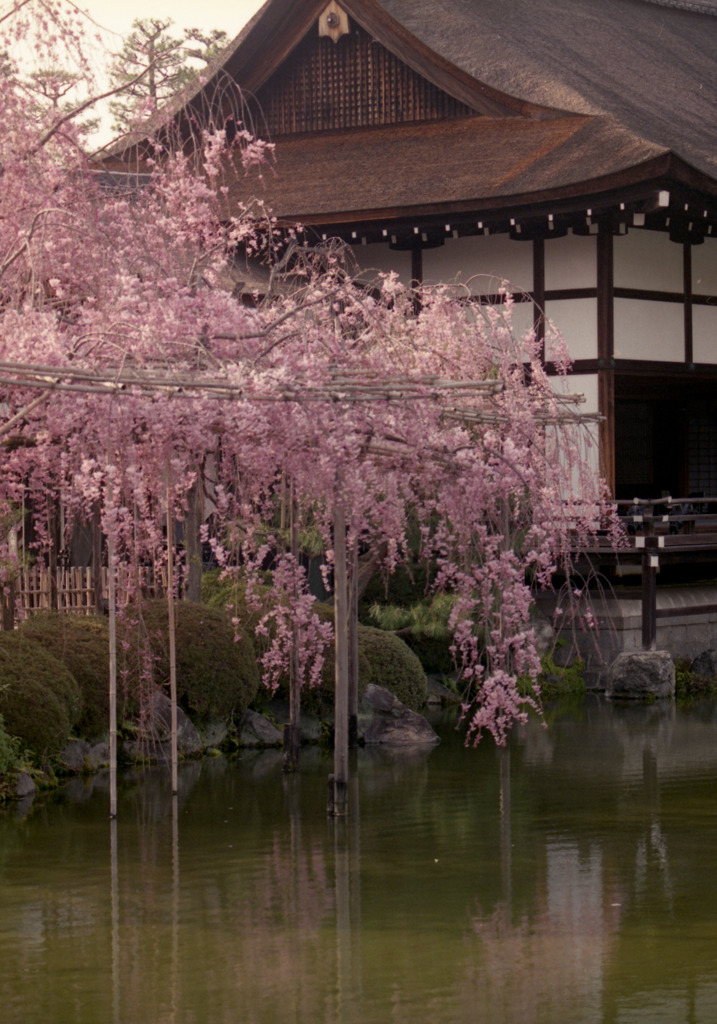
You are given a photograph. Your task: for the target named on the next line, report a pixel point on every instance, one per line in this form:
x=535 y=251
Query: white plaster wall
x=571 y=262
x=379 y=257
x=704 y=333
x=649 y=330
x=585 y=384
x=576 y=319
x=482 y=262
x=581 y=383
x=648 y=259
x=704 y=267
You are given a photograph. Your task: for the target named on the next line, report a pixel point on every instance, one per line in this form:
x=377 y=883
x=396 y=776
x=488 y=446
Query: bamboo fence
x=76 y=590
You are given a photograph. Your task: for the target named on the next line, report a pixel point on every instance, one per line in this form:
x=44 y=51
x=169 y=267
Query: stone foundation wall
x=620 y=628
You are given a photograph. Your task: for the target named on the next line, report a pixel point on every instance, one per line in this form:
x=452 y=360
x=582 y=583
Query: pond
x=569 y=878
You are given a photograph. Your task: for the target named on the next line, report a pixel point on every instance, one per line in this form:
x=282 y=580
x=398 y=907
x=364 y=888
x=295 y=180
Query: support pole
x=171 y=635
x=338 y=782
x=353 y=649
x=112 y=601
x=292 y=729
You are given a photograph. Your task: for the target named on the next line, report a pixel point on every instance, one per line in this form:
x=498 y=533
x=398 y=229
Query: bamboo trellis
x=341 y=387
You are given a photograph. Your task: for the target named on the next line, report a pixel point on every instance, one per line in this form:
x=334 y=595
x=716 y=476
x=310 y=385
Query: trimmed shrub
x=384 y=659
x=229 y=596
x=39 y=700
x=81 y=643
x=392 y=664
x=216 y=675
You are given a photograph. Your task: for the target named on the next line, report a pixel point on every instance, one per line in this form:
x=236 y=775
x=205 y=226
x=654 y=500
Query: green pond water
x=571 y=878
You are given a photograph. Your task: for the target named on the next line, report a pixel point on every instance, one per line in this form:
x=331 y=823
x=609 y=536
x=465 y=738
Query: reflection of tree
x=545 y=966
x=465 y=895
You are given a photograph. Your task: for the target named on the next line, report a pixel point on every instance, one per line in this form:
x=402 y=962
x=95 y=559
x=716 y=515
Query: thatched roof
x=569 y=95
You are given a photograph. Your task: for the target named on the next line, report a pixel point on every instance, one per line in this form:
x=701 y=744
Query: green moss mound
x=81 y=643
x=229 y=596
x=40 y=701
x=216 y=676
x=394 y=665
x=557 y=682
x=692 y=686
x=384 y=659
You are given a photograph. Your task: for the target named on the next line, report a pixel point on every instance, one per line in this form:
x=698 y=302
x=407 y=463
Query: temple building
x=568 y=147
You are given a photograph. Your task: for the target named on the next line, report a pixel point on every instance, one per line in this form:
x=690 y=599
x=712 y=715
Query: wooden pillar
x=650 y=562
x=606 y=355
x=338 y=782
x=687 y=288
x=539 y=292
x=417 y=275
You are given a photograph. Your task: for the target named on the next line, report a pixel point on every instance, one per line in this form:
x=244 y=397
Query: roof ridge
x=694 y=6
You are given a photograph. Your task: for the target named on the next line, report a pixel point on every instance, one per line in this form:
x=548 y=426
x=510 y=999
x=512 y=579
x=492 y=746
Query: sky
x=115 y=18
x=117 y=15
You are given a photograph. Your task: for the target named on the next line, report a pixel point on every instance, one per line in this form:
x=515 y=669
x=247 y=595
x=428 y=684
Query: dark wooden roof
x=378 y=173
x=650 y=66
x=524 y=99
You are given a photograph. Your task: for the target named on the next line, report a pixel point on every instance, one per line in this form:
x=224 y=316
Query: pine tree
x=169 y=63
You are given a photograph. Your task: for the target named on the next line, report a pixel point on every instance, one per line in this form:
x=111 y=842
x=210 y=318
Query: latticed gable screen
x=354 y=83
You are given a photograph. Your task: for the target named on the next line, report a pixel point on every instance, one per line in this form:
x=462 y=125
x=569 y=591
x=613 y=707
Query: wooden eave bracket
x=333 y=22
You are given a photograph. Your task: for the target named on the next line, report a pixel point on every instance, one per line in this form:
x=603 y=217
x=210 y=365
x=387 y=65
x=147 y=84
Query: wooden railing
x=663 y=531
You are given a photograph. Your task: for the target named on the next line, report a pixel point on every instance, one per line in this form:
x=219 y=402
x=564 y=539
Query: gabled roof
x=549 y=97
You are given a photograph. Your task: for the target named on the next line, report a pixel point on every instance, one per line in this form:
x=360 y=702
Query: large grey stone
x=24 y=785
x=257 y=731
x=81 y=756
x=640 y=675
x=158 y=739
x=188 y=739
x=215 y=733
x=705 y=664
x=75 y=756
x=384 y=719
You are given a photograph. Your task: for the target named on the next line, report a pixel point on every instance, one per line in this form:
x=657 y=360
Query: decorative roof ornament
x=334 y=22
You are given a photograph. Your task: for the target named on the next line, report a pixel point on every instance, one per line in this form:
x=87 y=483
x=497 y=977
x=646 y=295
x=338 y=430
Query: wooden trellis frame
x=341 y=387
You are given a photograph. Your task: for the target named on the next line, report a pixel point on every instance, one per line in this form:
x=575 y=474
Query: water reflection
x=569 y=877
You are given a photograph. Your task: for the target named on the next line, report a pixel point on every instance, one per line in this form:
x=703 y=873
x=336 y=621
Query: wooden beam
x=606 y=351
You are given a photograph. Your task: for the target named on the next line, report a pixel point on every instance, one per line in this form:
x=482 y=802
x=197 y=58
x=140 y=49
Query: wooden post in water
x=292 y=729
x=338 y=782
